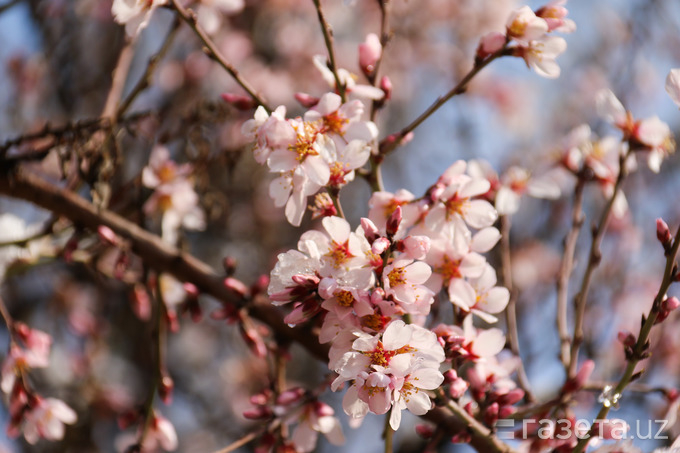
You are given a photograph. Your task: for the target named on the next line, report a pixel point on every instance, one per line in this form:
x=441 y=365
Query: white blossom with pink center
x=385 y=370
x=404 y=281
x=344 y=299
x=480 y=295
x=541 y=54
x=46 y=420
x=524 y=26
x=339 y=250
x=19 y=361
x=456 y=205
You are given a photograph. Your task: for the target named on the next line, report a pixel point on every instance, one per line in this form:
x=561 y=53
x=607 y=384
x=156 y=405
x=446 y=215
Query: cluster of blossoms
x=173 y=199
x=36 y=416
x=531 y=34
x=365 y=285
x=321 y=149
x=600 y=159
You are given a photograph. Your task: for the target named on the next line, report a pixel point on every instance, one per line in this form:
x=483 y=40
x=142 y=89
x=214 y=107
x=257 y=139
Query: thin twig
x=145 y=80
x=239 y=443
x=8 y=5
x=640 y=350
x=328 y=39
x=476 y=427
x=594 y=258
x=389 y=144
x=511 y=309
x=566 y=267
x=190 y=18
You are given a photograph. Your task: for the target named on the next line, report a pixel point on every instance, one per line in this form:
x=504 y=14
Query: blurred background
x=57 y=57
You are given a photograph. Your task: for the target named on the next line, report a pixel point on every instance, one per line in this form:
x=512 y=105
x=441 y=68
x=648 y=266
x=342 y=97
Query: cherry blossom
x=134 y=14
x=46 y=420
x=348 y=80
x=524 y=26
x=315 y=418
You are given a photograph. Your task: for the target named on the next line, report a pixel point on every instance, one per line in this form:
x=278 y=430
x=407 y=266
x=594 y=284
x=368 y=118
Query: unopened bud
x=670 y=304
x=306 y=100
x=290 y=396
x=626 y=338
x=581 y=377
x=239 y=101
x=257 y=413
x=393 y=222
x=322 y=409
x=236 y=286
x=380 y=245
x=489 y=44
x=425 y=431
x=371 y=231
x=141 y=303
x=107 y=235
x=512 y=397
x=663 y=233
x=229 y=265
x=491 y=414
x=191 y=290
x=386 y=86
x=369 y=53
x=165 y=389
x=308 y=281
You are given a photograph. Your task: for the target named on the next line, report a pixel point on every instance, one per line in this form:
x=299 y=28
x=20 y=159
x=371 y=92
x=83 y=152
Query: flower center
x=304 y=142
x=339 y=253
x=449 y=269
x=345 y=298
x=334 y=123
x=396 y=277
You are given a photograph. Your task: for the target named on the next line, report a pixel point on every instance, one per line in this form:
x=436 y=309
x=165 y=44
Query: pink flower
x=404 y=280
x=46 y=420
x=540 y=55
x=555 y=16
x=19 y=361
x=348 y=80
x=315 y=418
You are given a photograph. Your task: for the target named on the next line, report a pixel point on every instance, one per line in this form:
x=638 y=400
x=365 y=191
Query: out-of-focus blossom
x=673 y=85
x=524 y=26
x=348 y=80
x=541 y=54
x=209 y=12
x=46 y=420
x=134 y=14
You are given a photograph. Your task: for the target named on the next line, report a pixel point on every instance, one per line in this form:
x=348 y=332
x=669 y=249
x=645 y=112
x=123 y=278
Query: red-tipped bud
x=308 y=281
x=107 y=235
x=626 y=338
x=369 y=53
x=141 y=303
x=229 y=265
x=491 y=414
x=663 y=233
x=260 y=399
x=236 y=286
x=458 y=388
x=670 y=304
x=260 y=285
x=581 y=377
x=257 y=413
x=386 y=86
x=425 y=431
x=461 y=438
x=239 y=101
x=393 y=222
x=290 y=396
x=510 y=398
x=322 y=409
x=450 y=376
x=191 y=290
x=165 y=389
x=506 y=411
x=306 y=100
x=253 y=340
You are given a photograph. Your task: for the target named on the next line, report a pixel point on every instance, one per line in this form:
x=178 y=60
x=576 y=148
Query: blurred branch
x=566 y=268
x=328 y=39
x=19 y=183
x=511 y=309
x=144 y=81
x=641 y=349
x=594 y=258
x=190 y=18
x=598 y=386
x=477 y=428
x=61 y=134
x=245 y=440
x=8 y=5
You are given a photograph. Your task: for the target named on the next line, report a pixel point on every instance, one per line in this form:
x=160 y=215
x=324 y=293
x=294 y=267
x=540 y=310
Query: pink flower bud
x=257 y=413
x=308 y=281
x=386 y=86
x=371 y=231
x=450 y=376
x=491 y=414
x=461 y=438
x=229 y=265
x=489 y=44
x=670 y=304
x=424 y=431
x=512 y=397
x=612 y=429
x=626 y=338
x=458 y=388
x=393 y=222
x=290 y=396
x=369 y=53
x=306 y=100
x=506 y=411
x=107 y=235
x=191 y=290
x=322 y=409
x=239 y=101
x=236 y=286
x=380 y=245
x=260 y=399
x=581 y=377
x=663 y=233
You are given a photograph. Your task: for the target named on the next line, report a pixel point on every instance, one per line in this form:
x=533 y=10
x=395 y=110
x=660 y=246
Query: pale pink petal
x=609 y=107
x=485 y=239
x=397 y=334
x=480 y=214
x=428 y=378
x=488 y=343
x=496 y=300
x=673 y=85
